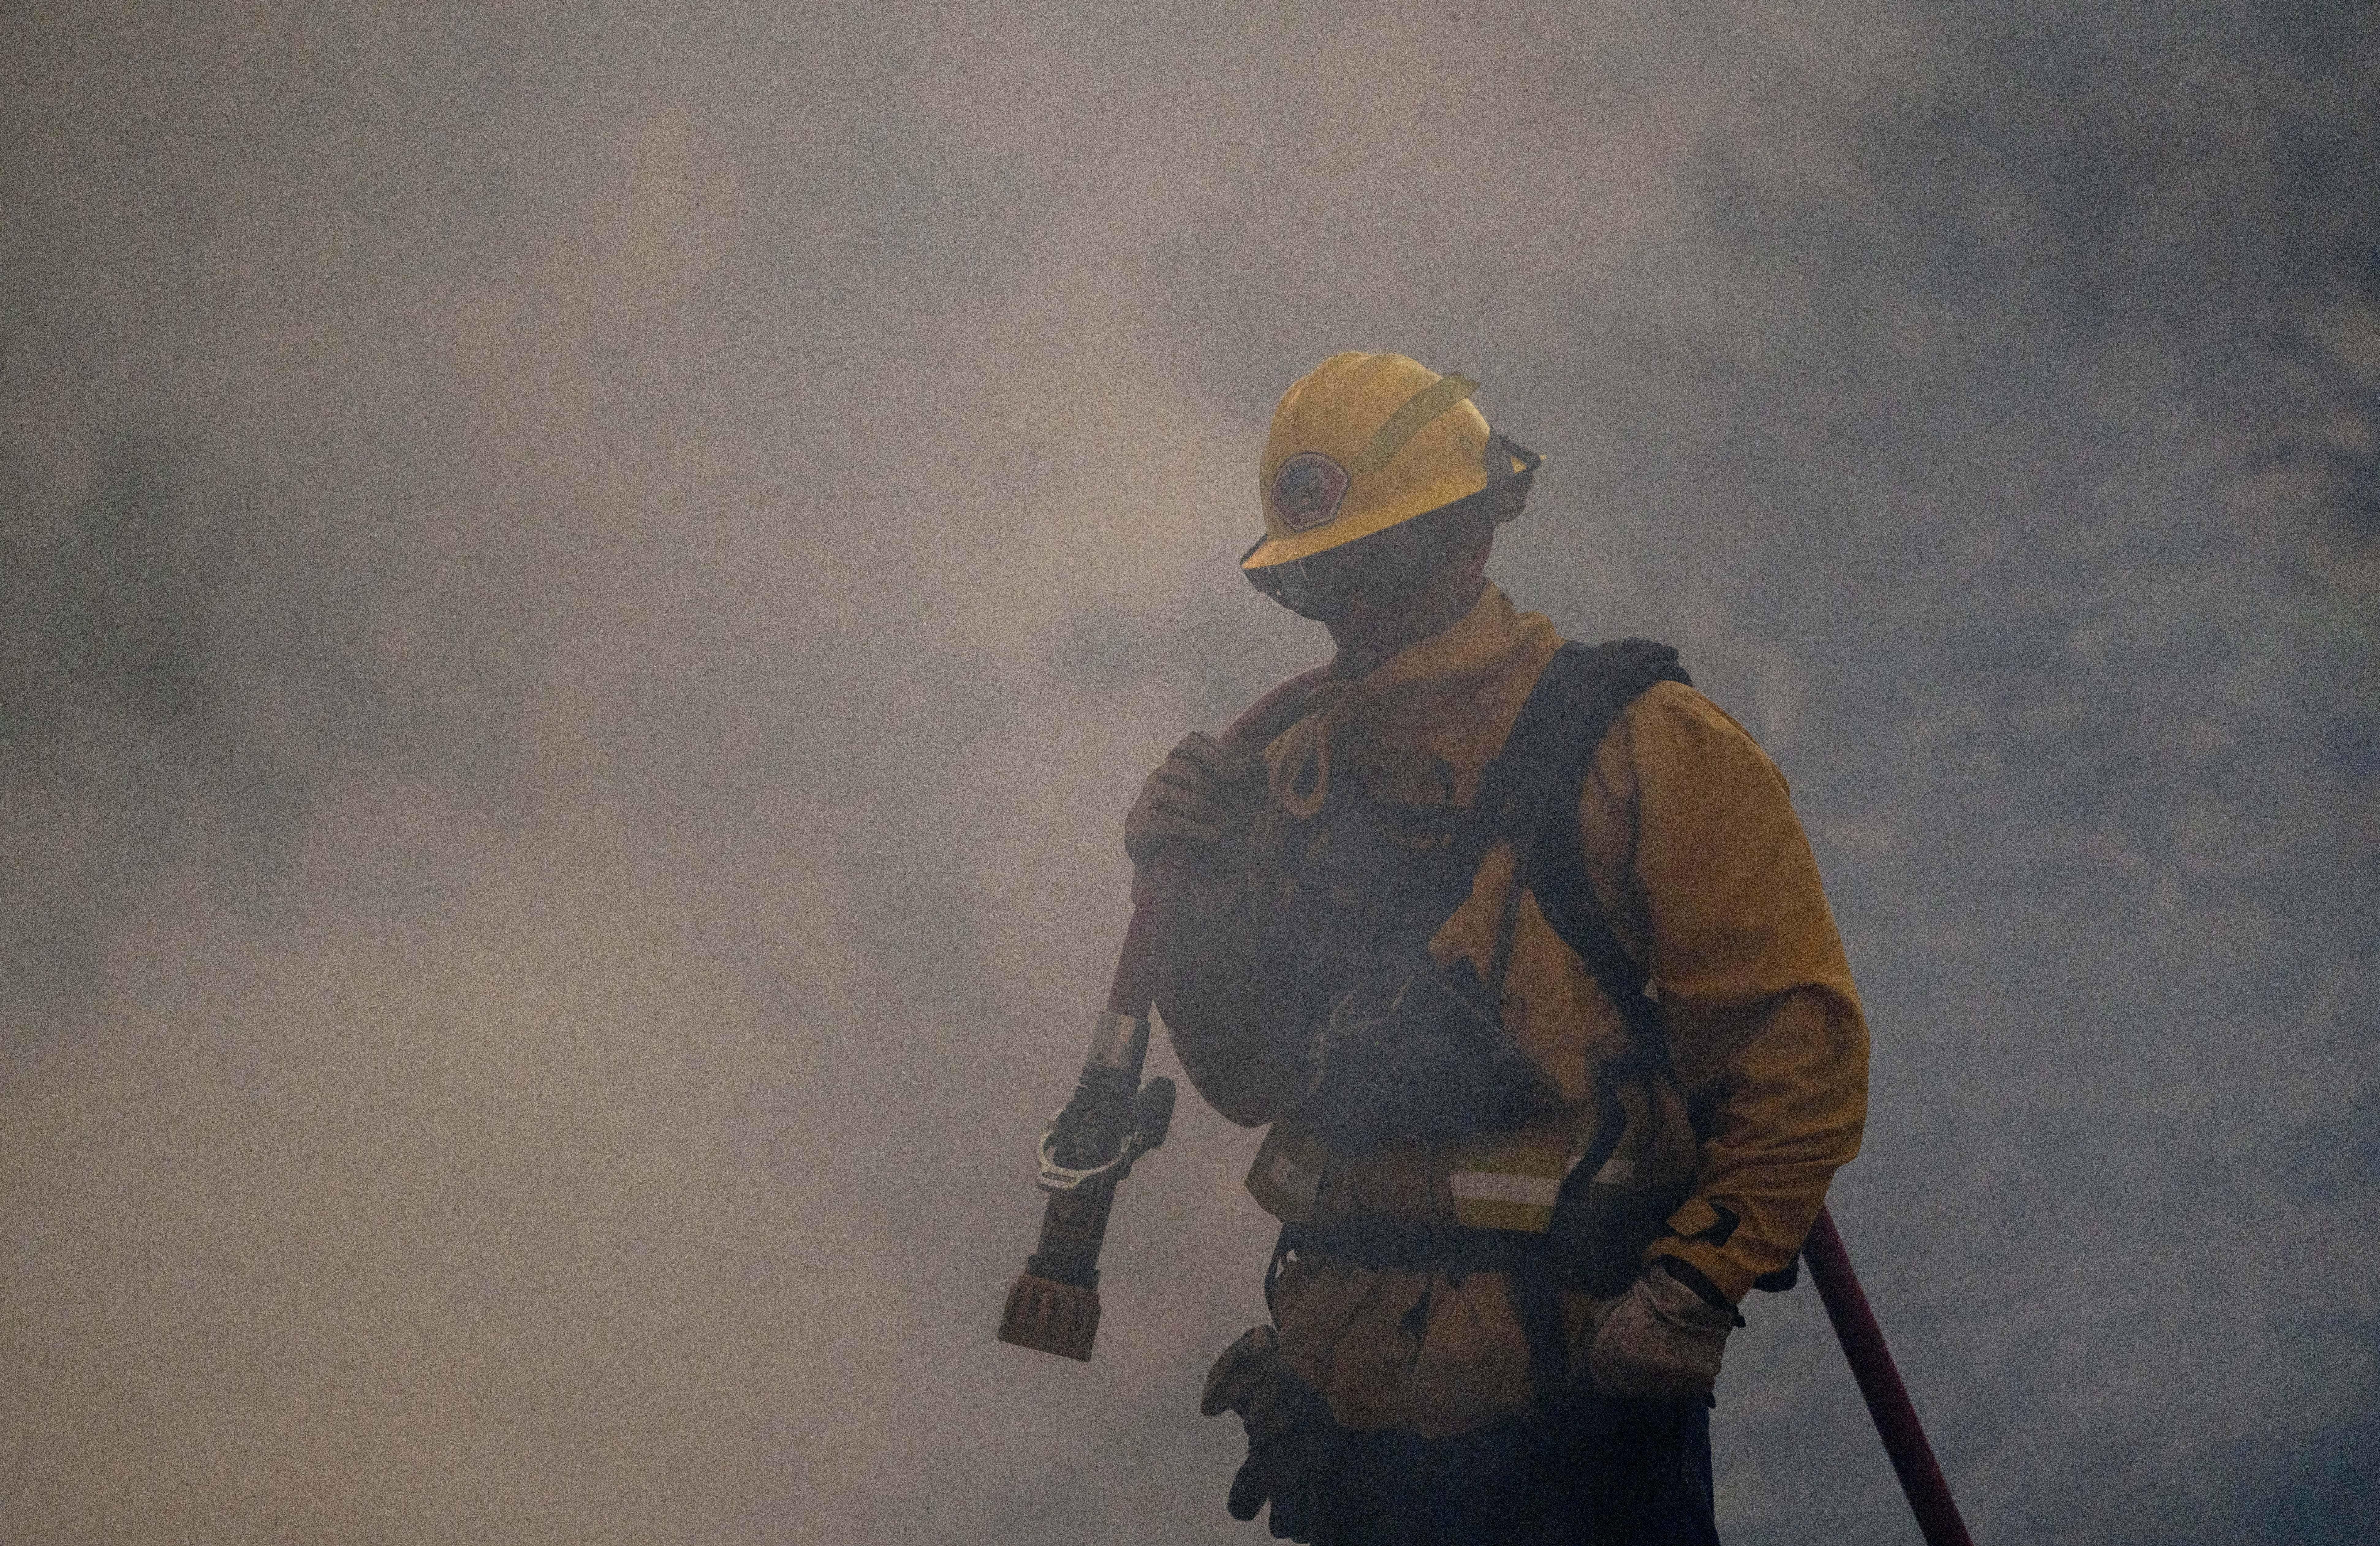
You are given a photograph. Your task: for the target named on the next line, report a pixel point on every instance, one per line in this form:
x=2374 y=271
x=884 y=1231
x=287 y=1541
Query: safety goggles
x=1391 y=563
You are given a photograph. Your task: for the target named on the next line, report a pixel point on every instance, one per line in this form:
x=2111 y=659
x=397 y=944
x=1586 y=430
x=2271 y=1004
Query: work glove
x=1289 y=1434
x=1203 y=794
x=1660 y=1340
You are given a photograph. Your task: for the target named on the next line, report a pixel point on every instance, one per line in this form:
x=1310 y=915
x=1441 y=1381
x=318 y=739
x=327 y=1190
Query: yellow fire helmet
x=1362 y=443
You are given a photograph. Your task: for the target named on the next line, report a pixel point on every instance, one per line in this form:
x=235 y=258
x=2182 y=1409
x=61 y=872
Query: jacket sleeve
x=1706 y=876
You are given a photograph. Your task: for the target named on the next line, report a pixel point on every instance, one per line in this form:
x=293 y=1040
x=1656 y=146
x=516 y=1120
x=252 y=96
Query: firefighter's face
x=1368 y=632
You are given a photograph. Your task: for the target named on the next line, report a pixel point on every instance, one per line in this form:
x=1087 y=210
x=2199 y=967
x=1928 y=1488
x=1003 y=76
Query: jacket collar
x=1421 y=701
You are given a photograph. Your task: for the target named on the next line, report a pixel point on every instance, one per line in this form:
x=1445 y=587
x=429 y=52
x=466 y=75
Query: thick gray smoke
x=583 y=588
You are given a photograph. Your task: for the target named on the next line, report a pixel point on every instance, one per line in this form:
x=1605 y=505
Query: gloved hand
x=1289 y=1431
x=1661 y=1339
x=1202 y=794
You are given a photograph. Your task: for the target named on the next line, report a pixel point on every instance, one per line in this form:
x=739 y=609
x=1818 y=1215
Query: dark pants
x=1593 y=1472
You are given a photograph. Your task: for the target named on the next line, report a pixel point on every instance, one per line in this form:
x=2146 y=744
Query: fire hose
x=1088 y=1147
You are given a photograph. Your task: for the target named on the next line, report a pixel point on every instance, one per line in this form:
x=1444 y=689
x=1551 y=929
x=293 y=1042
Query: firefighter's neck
x=1369 y=634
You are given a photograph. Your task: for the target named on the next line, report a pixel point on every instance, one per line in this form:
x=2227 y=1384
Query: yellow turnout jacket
x=1705 y=878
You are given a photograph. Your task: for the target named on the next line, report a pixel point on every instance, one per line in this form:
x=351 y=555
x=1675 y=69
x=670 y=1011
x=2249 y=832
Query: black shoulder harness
x=1537 y=778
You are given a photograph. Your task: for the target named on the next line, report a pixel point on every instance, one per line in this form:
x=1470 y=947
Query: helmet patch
x=1307 y=490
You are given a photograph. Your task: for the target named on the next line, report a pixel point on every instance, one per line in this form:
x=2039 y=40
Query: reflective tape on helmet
x=1403 y=425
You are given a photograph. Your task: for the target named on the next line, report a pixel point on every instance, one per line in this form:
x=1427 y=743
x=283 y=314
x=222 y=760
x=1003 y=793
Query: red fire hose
x=1880 y=1382
x=1060 y=1313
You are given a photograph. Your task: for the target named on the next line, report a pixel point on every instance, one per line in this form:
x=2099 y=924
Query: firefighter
x=1518 y=953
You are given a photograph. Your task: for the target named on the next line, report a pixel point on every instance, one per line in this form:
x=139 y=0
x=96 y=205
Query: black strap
x=1533 y=787
x=1540 y=770
x=1536 y=779
x=1580 y=692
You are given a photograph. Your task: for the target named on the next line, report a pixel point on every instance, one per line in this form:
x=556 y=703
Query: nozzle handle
x=1152 y=1114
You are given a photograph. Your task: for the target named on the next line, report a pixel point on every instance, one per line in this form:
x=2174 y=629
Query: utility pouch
x=1413 y=1055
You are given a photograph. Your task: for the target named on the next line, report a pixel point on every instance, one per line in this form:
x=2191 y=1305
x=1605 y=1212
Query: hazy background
x=583 y=590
